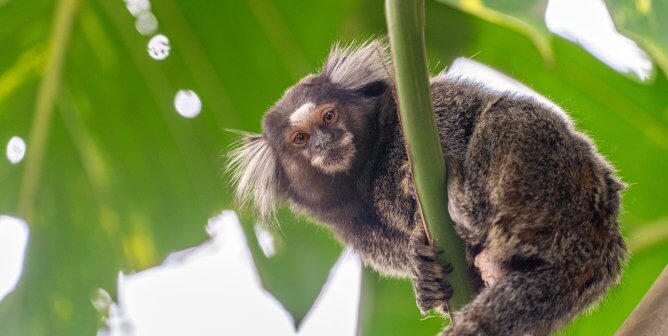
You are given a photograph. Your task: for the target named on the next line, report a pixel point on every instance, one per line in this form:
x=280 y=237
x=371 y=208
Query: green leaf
x=125 y=180
x=627 y=120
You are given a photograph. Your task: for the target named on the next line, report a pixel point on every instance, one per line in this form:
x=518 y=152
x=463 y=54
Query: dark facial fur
x=534 y=202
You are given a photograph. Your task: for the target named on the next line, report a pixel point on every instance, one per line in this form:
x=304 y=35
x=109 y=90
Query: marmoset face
x=313 y=127
x=318 y=134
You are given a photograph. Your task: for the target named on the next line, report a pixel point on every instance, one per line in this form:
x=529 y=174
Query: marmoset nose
x=320 y=140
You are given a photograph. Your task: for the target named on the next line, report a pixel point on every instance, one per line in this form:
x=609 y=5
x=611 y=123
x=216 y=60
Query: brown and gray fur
x=533 y=200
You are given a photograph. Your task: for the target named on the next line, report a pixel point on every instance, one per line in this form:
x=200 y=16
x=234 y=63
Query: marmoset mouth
x=335 y=160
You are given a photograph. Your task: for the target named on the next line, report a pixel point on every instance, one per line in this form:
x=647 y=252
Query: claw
x=429 y=276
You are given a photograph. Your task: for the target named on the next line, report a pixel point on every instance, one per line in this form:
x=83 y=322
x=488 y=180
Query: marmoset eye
x=300 y=138
x=329 y=117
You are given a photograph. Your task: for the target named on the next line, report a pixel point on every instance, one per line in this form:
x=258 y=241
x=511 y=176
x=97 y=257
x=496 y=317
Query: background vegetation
x=114 y=179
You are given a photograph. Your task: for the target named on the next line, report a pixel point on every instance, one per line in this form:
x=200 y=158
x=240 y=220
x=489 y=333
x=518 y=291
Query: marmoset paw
x=432 y=291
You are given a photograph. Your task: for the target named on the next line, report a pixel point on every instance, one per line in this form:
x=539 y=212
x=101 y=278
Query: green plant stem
x=405 y=25
x=48 y=89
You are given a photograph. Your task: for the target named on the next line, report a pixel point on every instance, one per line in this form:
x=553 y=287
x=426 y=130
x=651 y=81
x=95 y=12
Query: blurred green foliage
x=124 y=180
x=526 y=16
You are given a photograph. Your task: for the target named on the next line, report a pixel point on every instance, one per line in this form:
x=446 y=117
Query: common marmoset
x=534 y=202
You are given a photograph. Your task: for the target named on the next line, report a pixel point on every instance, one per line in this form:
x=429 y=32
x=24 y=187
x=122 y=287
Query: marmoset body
x=532 y=199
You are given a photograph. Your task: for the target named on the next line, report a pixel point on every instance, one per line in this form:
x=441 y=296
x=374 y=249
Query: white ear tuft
x=355 y=65
x=253 y=169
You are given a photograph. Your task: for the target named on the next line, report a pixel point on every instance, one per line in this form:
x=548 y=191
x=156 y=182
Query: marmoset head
x=322 y=127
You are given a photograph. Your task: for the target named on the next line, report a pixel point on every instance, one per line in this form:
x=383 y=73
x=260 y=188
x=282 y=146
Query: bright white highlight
x=146 y=23
x=16 y=150
x=214 y=289
x=13 y=241
x=136 y=7
x=265 y=239
x=187 y=103
x=588 y=23
x=158 y=47
x=301 y=113
x=335 y=312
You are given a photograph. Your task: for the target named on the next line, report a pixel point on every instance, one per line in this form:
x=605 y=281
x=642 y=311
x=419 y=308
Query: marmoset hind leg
x=534 y=296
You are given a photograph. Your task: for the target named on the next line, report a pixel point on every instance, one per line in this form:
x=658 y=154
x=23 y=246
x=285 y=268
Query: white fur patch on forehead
x=302 y=113
x=356 y=65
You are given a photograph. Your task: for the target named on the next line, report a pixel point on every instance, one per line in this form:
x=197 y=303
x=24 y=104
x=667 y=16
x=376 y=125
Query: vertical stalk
x=405 y=25
x=48 y=88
